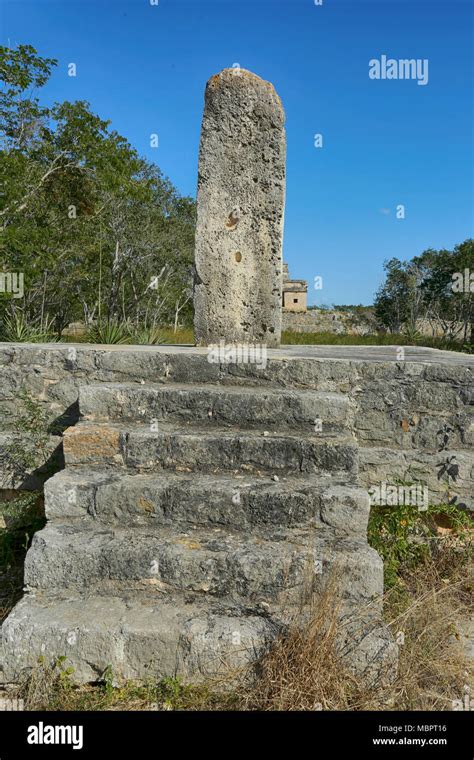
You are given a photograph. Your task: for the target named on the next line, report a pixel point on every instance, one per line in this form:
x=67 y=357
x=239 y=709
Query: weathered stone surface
x=216 y=405
x=14 y=446
x=262 y=566
x=238 y=501
x=409 y=429
x=368 y=648
x=392 y=466
x=137 y=636
x=201 y=450
x=240 y=208
x=346 y=509
x=204 y=452
x=158 y=636
x=55 y=378
x=229 y=496
x=204 y=449
x=93 y=443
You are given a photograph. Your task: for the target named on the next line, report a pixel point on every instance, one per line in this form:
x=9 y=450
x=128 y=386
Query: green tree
x=452 y=309
x=391 y=300
x=423 y=289
x=96 y=229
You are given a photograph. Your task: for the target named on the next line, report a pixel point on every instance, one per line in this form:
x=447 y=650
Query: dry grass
x=438 y=597
x=303 y=671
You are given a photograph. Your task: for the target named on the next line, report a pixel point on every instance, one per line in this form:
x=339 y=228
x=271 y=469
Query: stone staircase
x=190 y=523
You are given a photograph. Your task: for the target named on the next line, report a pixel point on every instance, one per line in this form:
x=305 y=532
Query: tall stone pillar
x=240 y=208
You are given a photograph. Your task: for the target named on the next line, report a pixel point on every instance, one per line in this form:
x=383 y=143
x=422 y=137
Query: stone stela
x=240 y=210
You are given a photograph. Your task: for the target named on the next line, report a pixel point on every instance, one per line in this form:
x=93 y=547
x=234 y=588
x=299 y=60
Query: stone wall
x=412 y=418
x=353 y=323
x=327 y=320
x=436 y=329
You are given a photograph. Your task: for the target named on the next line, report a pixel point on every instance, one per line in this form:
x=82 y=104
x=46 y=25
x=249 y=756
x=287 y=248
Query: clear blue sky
x=385 y=142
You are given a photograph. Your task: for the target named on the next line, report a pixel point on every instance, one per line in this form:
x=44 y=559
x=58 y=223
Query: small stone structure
x=177 y=546
x=199 y=506
x=240 y=208
x=295 y=293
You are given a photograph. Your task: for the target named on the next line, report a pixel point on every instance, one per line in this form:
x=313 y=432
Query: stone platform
x=201 y=502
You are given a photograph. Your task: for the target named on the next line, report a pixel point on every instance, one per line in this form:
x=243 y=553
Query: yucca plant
x=148 y=336
x=17 y=329
x=411 y=333
x=109 y=331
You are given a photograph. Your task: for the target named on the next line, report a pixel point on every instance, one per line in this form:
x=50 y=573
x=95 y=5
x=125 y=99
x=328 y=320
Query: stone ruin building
x=295 y=293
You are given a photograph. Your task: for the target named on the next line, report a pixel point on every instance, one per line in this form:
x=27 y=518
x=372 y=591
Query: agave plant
x=148 y=336
x=410 y=332
x=17 y=329
x=109 y=331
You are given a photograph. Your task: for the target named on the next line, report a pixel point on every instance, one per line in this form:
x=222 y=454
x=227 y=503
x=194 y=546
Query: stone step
x=264 y=566
x=238 y=501
x=137 y=635
x=205 y=450
x=141 y=637
x=214 y=405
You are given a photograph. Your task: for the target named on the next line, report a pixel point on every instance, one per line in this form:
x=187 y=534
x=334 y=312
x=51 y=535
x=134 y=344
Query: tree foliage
x=97 y=230
x=427 y=288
